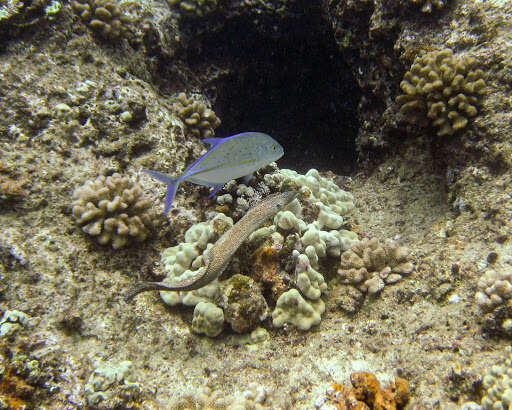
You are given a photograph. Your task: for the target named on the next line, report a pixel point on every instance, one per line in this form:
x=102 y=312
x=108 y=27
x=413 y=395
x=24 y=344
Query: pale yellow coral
x=112 y=210
x=443 y=88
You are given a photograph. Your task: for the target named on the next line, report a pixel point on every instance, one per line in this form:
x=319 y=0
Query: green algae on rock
x=443 y=89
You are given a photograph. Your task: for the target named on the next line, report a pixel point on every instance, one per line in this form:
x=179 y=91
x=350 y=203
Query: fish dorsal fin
x=213 y=141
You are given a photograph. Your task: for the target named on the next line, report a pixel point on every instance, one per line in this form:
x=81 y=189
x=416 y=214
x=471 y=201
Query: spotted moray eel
x=221 y=253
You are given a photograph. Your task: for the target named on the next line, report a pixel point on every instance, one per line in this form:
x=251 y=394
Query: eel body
x=225 y=247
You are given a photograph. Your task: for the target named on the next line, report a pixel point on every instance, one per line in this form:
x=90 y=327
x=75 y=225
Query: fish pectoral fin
x=216 y=188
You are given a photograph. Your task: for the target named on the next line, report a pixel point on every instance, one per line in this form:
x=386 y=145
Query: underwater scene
x=256 y=204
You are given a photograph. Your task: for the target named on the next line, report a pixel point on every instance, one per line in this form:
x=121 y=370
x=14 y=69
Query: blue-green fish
x=228 y=158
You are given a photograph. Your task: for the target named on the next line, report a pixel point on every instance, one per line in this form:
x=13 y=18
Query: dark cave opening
x=290 y=81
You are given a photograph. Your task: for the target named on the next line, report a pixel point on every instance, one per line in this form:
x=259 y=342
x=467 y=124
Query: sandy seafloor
x=426 y=328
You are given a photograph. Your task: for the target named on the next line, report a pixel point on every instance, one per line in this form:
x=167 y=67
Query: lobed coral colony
x=198 y=120
x=112 y=210
x=497 y=385
x=103 y=16
x=444 y=89
x=370 y=265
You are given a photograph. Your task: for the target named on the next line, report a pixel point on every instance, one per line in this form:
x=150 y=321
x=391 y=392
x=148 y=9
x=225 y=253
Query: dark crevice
x=293 y=85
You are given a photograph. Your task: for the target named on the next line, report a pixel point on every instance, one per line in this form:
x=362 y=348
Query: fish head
x=269 y=149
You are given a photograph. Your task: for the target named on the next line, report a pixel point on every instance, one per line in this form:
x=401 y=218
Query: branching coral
x=443 y=88
x=112 y=209
x=198 y=119
x=370 y=264
x=365 y=393
x=103 y=16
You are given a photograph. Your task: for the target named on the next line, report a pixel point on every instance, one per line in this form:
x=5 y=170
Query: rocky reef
x=393 y=260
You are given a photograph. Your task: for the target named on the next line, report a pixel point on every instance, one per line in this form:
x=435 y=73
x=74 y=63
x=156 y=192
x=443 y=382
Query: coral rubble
x=444 y=88
x=112 y=210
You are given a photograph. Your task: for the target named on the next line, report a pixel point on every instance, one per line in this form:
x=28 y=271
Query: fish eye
x=273 y=147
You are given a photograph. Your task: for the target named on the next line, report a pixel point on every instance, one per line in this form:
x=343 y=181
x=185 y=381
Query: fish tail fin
x=172 y=185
